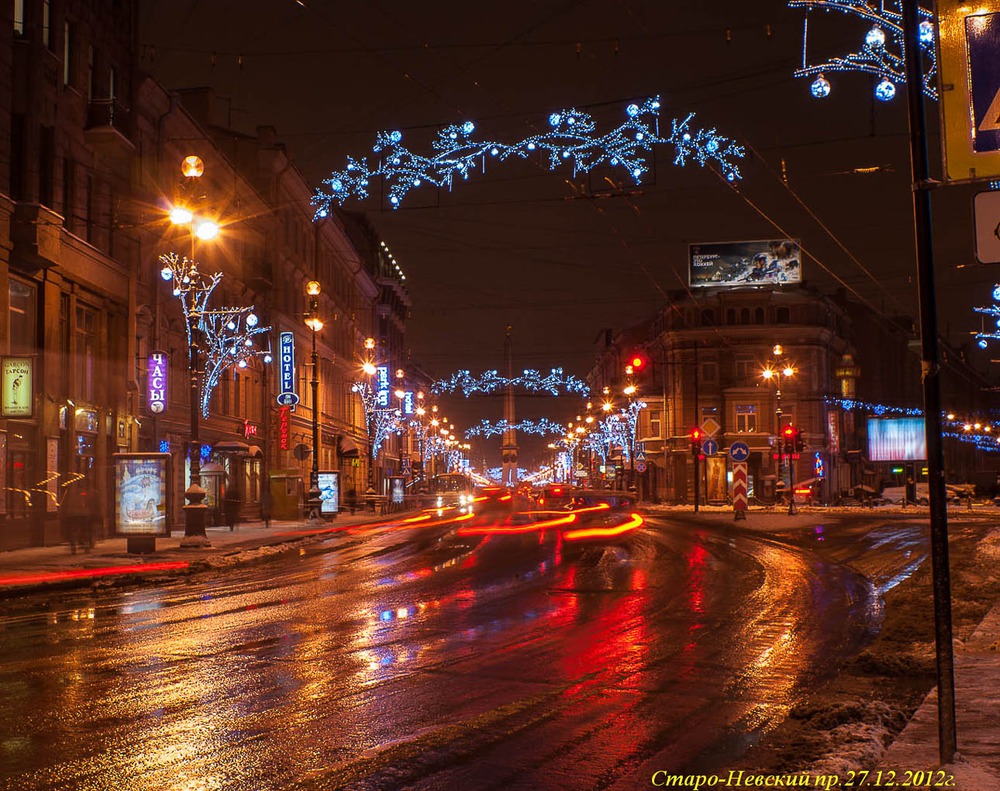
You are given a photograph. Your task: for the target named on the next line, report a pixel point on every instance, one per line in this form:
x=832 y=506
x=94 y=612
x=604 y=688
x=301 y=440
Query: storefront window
x=22 y=321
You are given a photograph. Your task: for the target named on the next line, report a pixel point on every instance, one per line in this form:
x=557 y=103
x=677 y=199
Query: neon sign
x=157 y=373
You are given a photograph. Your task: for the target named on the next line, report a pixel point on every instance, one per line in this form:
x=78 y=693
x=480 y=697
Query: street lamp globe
x=192 y=167
x=206 y=230
x=368 y=368
x=180 y=215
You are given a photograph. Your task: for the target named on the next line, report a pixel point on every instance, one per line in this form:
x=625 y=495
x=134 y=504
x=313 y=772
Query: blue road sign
x=709 y=447
x=739 y=451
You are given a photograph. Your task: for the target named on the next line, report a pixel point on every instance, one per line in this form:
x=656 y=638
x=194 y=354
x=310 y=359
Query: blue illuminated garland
x=881 y=51
x=487 y=428
x=571 y=141
x=983 y=338
x=874 y=409
x=491 y=382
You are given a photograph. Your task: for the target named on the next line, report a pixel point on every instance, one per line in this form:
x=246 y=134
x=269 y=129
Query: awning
x=255 y=452
x=231 y=446
x=347 y=447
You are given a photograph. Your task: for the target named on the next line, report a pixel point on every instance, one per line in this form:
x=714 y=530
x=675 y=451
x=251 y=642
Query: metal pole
x=314 y=497
x=194 y=511
x=930 y=370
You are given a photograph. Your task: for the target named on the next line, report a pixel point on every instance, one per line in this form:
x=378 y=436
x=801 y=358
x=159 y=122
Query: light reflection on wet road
x=414 y=658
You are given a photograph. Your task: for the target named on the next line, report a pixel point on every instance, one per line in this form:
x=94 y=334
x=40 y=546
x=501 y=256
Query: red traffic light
x=697 y=434
x=790 y=431
x=637 y=361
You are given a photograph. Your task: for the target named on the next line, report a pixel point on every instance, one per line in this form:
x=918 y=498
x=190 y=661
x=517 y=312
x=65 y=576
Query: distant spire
x=508 y=446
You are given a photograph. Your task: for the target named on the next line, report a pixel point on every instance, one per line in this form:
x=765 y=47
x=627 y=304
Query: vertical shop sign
x=16 y=382
x=157 y=371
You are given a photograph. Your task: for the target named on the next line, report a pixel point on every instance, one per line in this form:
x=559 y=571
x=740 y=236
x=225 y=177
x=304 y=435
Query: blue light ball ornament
x=875 y=37
x=926 y=32
x=996 y=293
x=885 y=90
x=820 y=87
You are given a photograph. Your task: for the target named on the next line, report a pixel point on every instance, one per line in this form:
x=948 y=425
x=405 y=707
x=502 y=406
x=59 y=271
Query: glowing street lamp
x=315 y=323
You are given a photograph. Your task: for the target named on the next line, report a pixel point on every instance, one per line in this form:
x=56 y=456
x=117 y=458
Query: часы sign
x=157 y=371
x=17 y=386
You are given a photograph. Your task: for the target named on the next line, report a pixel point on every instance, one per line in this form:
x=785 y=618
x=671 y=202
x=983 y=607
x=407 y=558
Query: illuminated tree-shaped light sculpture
x=380 y=421
x=880 y=46
x=984 y=337
x=571 y=141
x=223 y=336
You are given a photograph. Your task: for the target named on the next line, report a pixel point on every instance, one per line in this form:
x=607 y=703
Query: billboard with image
x=896 y=439
x=766 y=262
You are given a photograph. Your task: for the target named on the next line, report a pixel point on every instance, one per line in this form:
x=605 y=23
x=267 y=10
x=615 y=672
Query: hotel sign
x=286 y=358
x=17 y=386
x=157 y=373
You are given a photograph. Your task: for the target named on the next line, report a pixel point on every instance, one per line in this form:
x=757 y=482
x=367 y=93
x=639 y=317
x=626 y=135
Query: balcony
x=109 y=126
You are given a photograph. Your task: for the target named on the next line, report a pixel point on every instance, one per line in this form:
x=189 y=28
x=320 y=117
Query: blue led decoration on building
x=164 y=446
x=880 y=48
x=571 y=141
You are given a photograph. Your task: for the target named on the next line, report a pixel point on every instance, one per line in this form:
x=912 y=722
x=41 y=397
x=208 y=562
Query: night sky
x=517 y=244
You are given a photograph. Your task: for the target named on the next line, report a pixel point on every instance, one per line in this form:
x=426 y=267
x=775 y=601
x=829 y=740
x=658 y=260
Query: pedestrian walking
x=77 y=512
x=231 y=506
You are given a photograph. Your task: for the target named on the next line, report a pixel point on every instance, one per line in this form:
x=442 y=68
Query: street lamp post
x=192 y=169
x=774 y=373
x=314 y=323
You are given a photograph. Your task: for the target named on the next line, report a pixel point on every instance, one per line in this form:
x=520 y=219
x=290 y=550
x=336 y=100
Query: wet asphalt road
x=409 y=657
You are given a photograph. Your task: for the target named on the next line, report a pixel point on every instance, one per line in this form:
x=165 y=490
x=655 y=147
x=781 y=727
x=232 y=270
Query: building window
x=758 y=316
x=46 y=165
x=744 y=315
x=69 y=188
x=746 y=418
x=730 y=315
x=46 y=18
x=710 y=372
x=22 y=320
x=745 y=369
x=17 y=154
x=707 y=317
x=19 y=17
x=782 y=316
x=86 y=341
x=67 y=55
x=654 y=423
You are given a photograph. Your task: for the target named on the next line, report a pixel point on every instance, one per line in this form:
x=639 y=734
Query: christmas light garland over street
x=880 y=52
x=572 y=141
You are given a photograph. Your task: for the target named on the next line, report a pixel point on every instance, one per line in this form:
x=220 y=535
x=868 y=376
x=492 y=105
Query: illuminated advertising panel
x=897 y=439
x=719 y=264
x=157 y=371
x=16 y=382
x=329 y=491
x=286 y=362
x=142 y=494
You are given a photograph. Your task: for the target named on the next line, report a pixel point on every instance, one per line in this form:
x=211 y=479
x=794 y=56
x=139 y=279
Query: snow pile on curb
x=850 y=736
x=232 y=559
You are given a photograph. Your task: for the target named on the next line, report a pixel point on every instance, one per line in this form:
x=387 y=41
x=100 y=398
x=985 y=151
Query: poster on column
x=142 y=494
x=329 y=492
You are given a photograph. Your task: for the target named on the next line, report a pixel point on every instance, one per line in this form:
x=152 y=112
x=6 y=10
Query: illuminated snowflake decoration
x=880 y=50
x=571 y=142
x=224 y=336
x=993 y=311
x=492 y=383
x=541 y=427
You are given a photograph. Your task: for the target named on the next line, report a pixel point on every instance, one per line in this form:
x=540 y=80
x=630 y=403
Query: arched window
x=782 y=316
x=744 y=315
x=730 y=315
x=758 y=316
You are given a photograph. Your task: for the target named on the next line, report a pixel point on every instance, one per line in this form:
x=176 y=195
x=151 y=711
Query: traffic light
x=792 y=439
x=697 y=437
x=788 y=437
x=638 y=362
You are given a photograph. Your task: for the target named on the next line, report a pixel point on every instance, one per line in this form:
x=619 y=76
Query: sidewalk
x=36 y=569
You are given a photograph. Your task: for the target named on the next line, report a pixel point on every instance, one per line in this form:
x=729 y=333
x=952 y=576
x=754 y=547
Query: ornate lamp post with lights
x=774 y=373
x=314 y=323
x=217 y=340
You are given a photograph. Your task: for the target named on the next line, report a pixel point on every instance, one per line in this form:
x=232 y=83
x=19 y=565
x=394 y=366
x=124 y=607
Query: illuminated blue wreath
x=571 y=141
x=491 y=382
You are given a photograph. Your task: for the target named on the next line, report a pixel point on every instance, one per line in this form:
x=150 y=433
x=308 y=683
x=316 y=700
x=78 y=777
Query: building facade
x=89 y=174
